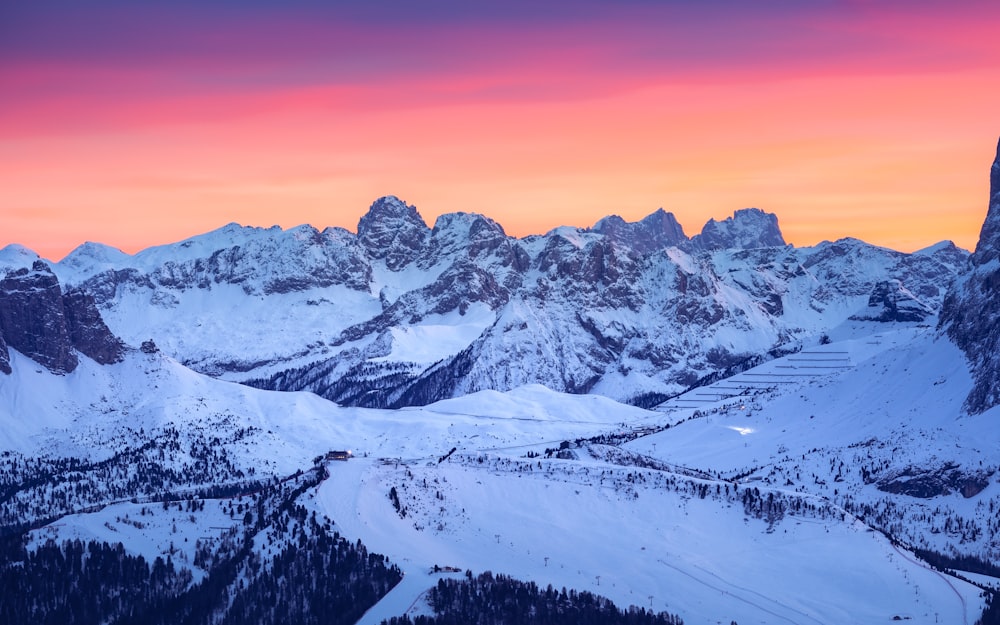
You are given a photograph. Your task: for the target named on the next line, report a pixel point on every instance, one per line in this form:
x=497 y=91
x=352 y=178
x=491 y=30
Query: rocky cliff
x=971 y=311
x=48 y=326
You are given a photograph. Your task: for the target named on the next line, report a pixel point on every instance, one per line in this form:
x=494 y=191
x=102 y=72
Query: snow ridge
x=632 y=310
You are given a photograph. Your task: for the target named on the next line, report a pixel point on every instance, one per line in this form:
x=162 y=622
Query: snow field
x=694 y=557
x=636 y=542
x=217 y=319
x=438 y=336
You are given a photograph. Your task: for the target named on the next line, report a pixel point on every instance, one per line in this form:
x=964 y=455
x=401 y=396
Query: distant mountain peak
x=474 y=222
x=389 y=207
x=988 y=247
x=658 y=230
x=15 y=256
x=88 y=256
x=393 y=230
x=748 y=228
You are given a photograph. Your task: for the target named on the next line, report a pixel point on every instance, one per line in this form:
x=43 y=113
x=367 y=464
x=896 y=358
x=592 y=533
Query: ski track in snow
x=945 y=578
x=730 y=585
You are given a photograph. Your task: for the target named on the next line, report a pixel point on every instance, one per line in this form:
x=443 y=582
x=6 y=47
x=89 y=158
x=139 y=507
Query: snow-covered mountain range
x=402 y=314
x=813 y=436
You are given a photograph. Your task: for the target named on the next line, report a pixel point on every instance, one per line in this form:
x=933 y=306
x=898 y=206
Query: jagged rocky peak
x=988 y=248
x=656 y=231
x=44 y=324
x=393 y=230
x=946 y=253
x=465 y=233
x=748 y=228
x=971 y=310
x=663 y=225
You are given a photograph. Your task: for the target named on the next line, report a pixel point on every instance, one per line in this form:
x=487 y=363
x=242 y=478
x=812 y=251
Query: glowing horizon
x=136 y=126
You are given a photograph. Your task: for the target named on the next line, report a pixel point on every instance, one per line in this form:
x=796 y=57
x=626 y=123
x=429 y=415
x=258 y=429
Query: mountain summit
x=393 y=230
x=746 y=229
x=656 y=231
x=971 y=311
x=988 y=247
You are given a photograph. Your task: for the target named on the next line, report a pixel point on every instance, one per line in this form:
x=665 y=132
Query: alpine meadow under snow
x=710 y=429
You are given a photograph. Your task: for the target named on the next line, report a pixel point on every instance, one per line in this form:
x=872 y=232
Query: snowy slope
x=577 y=526
x=660 y=521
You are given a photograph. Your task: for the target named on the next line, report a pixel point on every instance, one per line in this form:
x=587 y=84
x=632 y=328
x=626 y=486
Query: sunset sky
x=140 y=123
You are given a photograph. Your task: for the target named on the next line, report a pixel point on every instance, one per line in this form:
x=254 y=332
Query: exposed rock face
x=934 y=482
x=988 y=247
x=4 y=357
x=33 y=320
x=393 y=230
x=87 y=331
x=41 y=322
x=971 y=311
x=655 y=232
x=260 y=261
x=890 y=301
x=748 y=228
x=464 y=234
x=456 y=289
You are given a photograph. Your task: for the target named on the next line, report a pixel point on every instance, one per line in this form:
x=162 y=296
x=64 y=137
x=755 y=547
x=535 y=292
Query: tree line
x=314 y=575
x=489 y=599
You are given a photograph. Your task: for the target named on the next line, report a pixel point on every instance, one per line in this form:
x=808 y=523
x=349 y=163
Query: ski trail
x=398 y=601
x=906 y=556
x=724 y=591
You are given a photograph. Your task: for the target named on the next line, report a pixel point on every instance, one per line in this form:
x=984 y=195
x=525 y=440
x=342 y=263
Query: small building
x=339 y=455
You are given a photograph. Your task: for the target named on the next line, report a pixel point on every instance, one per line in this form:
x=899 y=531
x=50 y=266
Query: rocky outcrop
x=4 y=357
x=890 y=301
x=456 y=289
x=988 y=247
x=87 y=331
x=747 y=229
x=656 y=231
x=33 y=320
x=971 y=311
x=393 y=230
x=49 y=327
x=926 y=483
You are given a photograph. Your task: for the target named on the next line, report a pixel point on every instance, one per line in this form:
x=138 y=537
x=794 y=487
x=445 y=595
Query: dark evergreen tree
x=500 y=600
